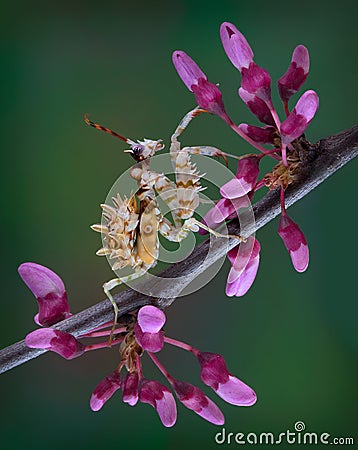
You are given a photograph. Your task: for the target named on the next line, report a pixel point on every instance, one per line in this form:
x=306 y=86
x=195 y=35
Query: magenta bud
x=151 y=342
x=147 y=330
x=214 y=373
x=224 y=209
x=207 y=94
x=161 y=399
x=295 y=242
x=187 y=69
x=57 y=341
x=49 y=291
x=299 y=119
x=193 y=398
x=257 y=106
x=236 y=46
x=209 y=97
x=296 y=73
x=245 y=180
x=265 y=135
x=104 y=391
x=245 y=259
x=130 y=388
x=257 y=81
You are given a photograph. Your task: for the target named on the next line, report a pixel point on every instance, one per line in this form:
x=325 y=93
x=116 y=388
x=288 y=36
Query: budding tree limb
x=327 y=156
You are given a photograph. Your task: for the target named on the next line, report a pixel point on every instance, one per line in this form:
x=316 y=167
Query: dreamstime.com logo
x=298 y=436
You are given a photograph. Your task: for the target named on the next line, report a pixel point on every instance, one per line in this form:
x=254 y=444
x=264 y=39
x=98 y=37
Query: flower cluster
x=285 y=140
x=141 y=332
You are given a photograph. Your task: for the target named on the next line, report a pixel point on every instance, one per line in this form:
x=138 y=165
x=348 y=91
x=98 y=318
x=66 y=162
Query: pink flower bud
x=209 y=97
x=151 y=342
x=296 y=73
x=193 y=398
x=214 y=373
x=257 y=106
x=161 y=399
x=245 y=180
x=257 y=81
x=57 y=341
x=187 y=69
x=299 y=119
x=148 y=328
x=224 y=209
x=130 y=388
x=245 y=259
x=295 y=242
x=236 y=46
x=104 y=391
x=265 y=135
x=49 y=291
x=207 y=94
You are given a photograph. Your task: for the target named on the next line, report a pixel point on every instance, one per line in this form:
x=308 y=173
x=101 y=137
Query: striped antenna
x=106 y=130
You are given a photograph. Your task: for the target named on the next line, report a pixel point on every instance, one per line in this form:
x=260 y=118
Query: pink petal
x=167 y=409
x=245 y=180
x=187 y=69
x=224 y=209
x=209 y=97
x=296 y=73
x=214 y=373
x=240 y=256
x=235 y=392
x=161 y=399
x=295 y=242
x=300 y=258
x=213 y=369
x=41 y=280
x=151 y=342
x=299 y=119
x=301 y=58
x=235 y=188
x=57 y=341
x=242 y=284
x=130 y=388
x=151 y=319
x=248 y=170
x=257 y=106
x=236 y=46
x=49 y=291
x=264 y=135
x=193 y=398
x=104 y=391
x=307 y=105
x=257 y=81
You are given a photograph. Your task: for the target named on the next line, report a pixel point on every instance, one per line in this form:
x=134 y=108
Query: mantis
x=130 y=231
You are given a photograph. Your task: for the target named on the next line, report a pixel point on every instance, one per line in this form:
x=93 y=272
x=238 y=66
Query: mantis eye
x=137 y=150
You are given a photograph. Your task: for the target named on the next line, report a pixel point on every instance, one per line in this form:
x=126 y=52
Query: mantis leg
x=208 y=151
x=111 y=284
x=194 y=225
x=175 y=144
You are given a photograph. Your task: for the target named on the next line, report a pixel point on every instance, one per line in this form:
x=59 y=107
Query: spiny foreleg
x=175 y=144
x=175 y=234
x=194 y=225
x=208 y=151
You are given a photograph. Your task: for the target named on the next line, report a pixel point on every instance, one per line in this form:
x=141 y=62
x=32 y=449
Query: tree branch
x=324 y=158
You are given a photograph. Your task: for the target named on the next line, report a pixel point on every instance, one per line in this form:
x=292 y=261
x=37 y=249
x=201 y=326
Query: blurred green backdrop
x=292 y=337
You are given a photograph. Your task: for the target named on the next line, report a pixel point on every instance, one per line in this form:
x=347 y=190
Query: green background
x=292 y=337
